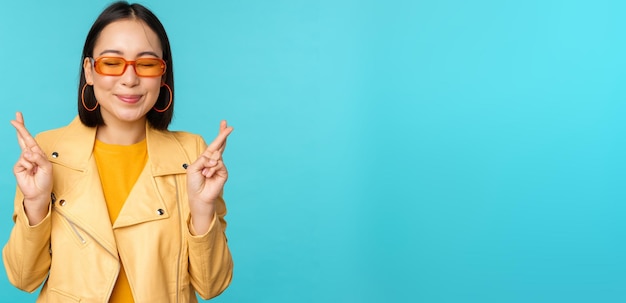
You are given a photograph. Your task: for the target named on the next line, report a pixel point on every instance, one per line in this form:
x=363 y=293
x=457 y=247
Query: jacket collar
x=165 y=154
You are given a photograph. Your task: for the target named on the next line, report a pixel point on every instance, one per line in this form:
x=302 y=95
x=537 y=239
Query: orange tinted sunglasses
x=116 y=66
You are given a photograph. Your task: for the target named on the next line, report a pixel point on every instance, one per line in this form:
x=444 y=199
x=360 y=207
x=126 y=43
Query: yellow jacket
x=79 y=251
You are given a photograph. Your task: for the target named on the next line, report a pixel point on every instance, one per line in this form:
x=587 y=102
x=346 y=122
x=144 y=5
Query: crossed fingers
x=24 y=139
x=219 y=143
x=213 y=153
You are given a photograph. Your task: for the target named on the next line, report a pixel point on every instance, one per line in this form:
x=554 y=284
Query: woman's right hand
x=33 y=173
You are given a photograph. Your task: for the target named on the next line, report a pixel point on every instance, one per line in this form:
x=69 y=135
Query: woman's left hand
x=207 y=175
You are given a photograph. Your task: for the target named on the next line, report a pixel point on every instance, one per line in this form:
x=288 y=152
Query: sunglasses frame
x=126 y=64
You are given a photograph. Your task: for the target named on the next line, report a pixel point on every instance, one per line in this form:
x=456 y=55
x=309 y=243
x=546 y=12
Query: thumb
x=37 y=159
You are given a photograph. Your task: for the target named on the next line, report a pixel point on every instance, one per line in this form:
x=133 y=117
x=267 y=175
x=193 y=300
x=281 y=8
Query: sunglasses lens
x=110 y=66
x=144 y=67
x=149 y=67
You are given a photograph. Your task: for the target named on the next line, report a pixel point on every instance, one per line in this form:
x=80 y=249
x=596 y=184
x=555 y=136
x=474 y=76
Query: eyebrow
x=120 y=53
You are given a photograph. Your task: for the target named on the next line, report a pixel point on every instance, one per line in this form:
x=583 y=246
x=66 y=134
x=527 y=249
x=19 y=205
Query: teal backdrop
x=384 y=151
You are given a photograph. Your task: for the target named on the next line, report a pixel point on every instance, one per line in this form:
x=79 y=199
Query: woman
x=114 y=207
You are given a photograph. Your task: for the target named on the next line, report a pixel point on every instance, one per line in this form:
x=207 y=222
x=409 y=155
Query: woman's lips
x=129 y=98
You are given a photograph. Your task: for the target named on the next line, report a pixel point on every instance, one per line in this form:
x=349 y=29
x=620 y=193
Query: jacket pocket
x=57 y=295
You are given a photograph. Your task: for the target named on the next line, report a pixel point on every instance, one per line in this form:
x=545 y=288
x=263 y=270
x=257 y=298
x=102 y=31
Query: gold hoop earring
x=169 y=104
x=82 y=98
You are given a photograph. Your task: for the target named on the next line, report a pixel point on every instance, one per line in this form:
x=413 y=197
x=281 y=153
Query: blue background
x=384 y=151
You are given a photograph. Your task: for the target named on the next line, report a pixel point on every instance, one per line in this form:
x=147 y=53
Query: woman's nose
x=129 y=77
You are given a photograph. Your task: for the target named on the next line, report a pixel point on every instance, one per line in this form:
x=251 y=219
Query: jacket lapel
x=77 y=187
x=147 y=200
x=144 y=203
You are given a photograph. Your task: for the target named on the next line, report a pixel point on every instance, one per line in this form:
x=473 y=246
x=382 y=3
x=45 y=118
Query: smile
x=129 y=98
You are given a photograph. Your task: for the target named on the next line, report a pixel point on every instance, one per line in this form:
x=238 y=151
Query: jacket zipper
x=180 y=247
x=73 y=226
x=82 y=240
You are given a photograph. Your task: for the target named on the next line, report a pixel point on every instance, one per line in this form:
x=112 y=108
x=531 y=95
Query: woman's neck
x=122 y=133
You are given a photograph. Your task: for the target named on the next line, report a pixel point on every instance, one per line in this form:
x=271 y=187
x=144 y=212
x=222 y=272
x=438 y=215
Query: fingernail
x=212 y=162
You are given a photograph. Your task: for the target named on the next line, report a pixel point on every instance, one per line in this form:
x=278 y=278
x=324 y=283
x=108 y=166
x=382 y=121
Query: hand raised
x=33 y=171
x=207 y=175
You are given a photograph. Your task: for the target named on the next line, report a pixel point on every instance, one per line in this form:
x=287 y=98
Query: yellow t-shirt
x=119 y=166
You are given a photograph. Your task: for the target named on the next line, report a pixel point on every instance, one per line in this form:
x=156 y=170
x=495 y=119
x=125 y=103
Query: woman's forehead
x=128 y=37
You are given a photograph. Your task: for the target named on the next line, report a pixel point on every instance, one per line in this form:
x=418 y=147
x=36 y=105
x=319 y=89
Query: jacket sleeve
x=26 y=255
x=210 y=261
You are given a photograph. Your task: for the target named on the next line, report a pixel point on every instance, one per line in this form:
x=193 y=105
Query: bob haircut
x=119 y=11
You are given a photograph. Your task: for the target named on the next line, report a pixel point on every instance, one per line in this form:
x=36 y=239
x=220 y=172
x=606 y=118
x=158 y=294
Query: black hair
x=118 y=11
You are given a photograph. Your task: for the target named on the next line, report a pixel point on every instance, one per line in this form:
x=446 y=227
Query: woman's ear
x=88 y=69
